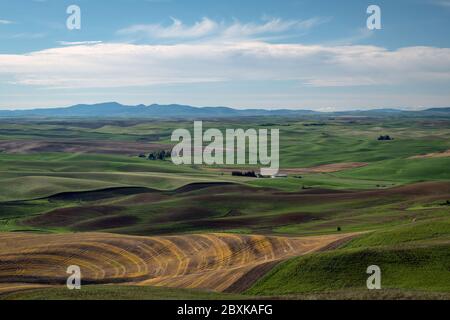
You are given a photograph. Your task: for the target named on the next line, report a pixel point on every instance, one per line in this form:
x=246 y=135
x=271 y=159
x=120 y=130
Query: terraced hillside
x=219 y=262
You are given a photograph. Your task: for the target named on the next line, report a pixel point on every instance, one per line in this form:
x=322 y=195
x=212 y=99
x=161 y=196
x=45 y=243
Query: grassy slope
x=412 y=257
x=402 y=170
x=33 y=176
x=97 y=171
x=29 y=178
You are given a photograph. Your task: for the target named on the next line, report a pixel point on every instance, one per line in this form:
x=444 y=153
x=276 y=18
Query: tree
x=250 y=174
x=161 y=155
x=385 y=138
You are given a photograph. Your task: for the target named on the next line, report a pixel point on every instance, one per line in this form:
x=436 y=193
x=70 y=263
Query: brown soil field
x=326 y=168
x=219 y=262
x=433 y=155
x=99 y=194
x=78 y=146
x=71 y=215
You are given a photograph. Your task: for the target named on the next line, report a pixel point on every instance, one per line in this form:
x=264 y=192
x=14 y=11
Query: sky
x=296 y=54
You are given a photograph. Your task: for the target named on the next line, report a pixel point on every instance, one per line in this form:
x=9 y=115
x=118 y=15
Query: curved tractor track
x=219 y=262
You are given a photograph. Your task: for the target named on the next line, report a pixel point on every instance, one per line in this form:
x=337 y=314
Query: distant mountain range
x=116 y=110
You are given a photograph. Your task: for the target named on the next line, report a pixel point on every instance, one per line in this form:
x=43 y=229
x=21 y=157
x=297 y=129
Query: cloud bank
x=111 y=65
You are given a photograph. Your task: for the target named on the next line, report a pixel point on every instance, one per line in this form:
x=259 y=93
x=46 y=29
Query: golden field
x=218 y=262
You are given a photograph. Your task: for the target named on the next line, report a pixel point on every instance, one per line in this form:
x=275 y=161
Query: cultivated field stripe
x=206 y=261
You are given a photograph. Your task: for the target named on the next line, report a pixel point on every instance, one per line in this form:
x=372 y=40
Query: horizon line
x=318 y=110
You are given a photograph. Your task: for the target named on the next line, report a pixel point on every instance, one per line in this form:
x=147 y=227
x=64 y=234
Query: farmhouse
x=279 y=175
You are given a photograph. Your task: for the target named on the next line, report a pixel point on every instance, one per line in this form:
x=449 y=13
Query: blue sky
x=244 y=54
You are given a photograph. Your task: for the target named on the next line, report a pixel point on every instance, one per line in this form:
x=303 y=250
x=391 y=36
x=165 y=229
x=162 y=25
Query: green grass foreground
x=411 y=258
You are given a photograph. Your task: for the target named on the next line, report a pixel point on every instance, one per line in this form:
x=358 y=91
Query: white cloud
x=220 y=30
x=356 y=37
x=176 y=30
x=78 y=43
x=274 y=25
x=6 y=22
x=128 y=65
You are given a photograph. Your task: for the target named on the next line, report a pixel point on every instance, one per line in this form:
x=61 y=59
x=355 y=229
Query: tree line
x=156 y=155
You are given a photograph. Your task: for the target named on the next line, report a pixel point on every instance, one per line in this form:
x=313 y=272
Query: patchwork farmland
x=86 y=193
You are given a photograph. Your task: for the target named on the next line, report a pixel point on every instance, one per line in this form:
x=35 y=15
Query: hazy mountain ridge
x=116 y=110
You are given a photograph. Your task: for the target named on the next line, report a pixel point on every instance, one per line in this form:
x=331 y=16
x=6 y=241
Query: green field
x=56 y=176
x=412 y=257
